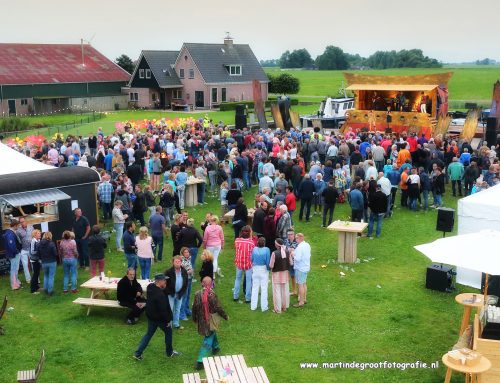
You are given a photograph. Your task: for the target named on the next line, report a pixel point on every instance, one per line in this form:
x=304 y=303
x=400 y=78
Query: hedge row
x=228 y=106
x=14 y=124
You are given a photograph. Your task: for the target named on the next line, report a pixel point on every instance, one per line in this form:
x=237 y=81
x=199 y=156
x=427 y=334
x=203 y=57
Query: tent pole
x=485 y=287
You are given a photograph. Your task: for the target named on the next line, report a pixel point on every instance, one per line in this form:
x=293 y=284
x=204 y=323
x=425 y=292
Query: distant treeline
x=335 y=58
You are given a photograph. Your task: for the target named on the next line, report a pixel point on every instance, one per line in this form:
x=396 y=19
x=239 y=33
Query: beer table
x=348 y=237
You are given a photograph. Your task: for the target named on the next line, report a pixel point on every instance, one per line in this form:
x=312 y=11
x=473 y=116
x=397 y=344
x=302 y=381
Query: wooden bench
x=31 y=376
x=257 y=375
x=192 y=377
x=97 y=303
x=2 y=312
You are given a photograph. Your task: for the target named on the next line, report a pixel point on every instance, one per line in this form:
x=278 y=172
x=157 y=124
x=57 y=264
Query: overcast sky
x=451 y=31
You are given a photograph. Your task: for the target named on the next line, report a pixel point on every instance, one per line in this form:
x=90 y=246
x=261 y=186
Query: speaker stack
x=439 y=278
x=491 y=131
x=445 y=220
x=240 y=118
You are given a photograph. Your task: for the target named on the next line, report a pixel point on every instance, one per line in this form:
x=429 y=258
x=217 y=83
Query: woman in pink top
x=69 y=254
x=144 y=244
x=213 y=240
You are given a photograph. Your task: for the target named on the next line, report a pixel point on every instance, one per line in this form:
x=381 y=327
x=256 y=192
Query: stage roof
x=396 y=87
x=440 y=78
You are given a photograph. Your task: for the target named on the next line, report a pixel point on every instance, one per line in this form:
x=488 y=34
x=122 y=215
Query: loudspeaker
x=240 y=110
x=439 y=278
x=388 y=131
x=240 y=121
x=491 y=131
x=445 y=219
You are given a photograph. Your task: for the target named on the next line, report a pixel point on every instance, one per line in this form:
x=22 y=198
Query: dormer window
x=234 y=70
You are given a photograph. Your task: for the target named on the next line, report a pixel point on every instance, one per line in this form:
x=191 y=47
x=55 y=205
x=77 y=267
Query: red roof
x=55 y=63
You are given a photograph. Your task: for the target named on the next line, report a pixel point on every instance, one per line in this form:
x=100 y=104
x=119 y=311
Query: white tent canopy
x=480 y=211
x=13 y=162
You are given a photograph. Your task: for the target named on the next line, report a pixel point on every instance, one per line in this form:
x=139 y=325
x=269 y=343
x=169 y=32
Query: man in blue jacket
x=356 y=202
x=129 y=246
x=13 y=247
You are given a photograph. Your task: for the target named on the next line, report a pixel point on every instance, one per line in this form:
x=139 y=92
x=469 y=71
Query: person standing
x=356 y=202
x=279 y=263
x=213 y=240
x=306 y=193
x=81 y=228
x=13 y=246
x=261 y=255
x=181 y=180
x=176 y=288
x=191 y=238
x=456 y=172
x=35 y=261
x=129 y=245
x=69 y=255
x=438 y=188
x=378 y=208
x=206 y=312
x=290 y=201
x=139 y=207
x=413 y=188
x=144 y=245
x=302 y=265
x=159 y=316
x=403 y=185
x=330 y=196
x=105 y=193
x=24 y=234
x=243 y=262
x=97 y=244
x=118 y=223
x=129 y=294
x=157 y=226
x=47 y=252
x=240 y=217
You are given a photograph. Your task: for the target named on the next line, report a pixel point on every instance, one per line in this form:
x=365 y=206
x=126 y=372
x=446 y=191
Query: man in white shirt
x=386 y=187
x=266 y=182
x=302 y=265
x=371 y=171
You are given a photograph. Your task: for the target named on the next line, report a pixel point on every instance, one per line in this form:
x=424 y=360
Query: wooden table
x=472 y=373
x=465 y=299
x=191 y=195
x=348 y=237
x=234 y=369
x=230 y=214
x=98 y=287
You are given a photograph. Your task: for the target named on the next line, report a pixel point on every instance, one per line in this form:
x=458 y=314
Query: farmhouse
x=43 y=78
x=197 y=76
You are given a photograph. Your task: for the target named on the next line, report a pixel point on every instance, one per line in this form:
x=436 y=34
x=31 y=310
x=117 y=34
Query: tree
x=126 y=63
x=333 y=58
x=299 y=58
x=270 y=63
x=284 y=83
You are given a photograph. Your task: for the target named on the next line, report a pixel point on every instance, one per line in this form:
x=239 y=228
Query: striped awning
x=34 y=197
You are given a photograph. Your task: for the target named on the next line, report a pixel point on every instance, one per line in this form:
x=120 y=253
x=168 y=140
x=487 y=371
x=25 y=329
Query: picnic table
x=230 y=214
x=100 y=287
x=233 y=369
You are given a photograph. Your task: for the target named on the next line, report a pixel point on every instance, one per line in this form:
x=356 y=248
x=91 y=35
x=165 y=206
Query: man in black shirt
x=81 y=228
x=92 y=143
x=129 y=294
x=330 y=195
x=159 y=315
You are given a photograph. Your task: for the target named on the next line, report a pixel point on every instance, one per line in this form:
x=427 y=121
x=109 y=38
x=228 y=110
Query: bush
x=13 y=124
x=228 y=106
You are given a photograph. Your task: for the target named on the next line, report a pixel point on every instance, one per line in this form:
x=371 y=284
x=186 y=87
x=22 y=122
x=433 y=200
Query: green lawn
x=346 y=319
x=473 y=84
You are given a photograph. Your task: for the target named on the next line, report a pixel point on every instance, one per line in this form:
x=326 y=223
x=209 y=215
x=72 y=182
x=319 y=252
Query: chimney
x=228 y=40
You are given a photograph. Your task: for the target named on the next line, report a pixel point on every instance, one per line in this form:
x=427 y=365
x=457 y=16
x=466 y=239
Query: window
x=153 y=97
x=141 y=73
x=191 y=73
x=134 y=96
x=234 y=70
x=214 y=95
x=148 y=73
x=177 y=94
x=24 y=101
x=181 y=73
x=223 y=94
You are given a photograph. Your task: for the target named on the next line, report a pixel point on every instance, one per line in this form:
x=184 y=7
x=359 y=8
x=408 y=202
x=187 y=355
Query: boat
x=331 y=114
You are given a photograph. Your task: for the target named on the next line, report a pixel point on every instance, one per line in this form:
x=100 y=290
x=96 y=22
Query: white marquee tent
x=480 y=211
x=13 y=161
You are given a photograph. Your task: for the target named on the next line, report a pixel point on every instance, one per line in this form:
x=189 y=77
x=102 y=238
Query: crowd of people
x=143 y=181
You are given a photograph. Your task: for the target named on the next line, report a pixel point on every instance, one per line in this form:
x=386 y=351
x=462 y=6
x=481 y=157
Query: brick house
x=199 y=75
x=44 y=78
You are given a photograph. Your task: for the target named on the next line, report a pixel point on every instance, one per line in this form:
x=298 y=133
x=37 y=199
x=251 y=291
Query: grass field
x=467 y=83
x=346 y=319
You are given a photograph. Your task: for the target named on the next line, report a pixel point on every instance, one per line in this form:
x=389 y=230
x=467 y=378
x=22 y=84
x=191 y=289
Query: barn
x=46 y=78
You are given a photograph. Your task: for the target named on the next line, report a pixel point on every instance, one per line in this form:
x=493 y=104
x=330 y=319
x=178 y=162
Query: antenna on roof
x=83 y=52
